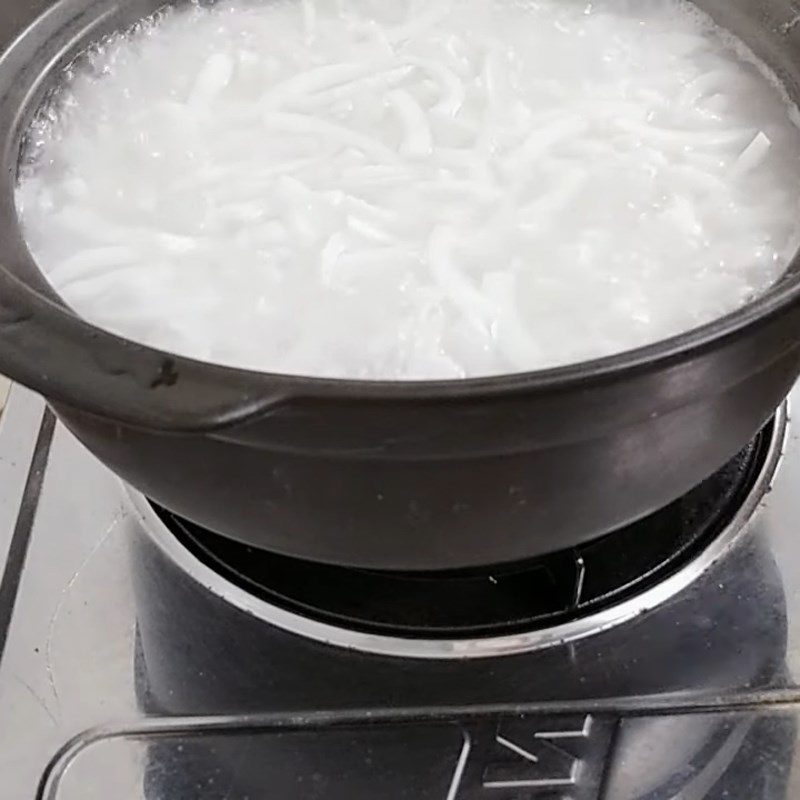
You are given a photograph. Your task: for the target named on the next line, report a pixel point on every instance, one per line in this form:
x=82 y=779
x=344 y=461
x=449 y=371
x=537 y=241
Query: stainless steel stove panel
x=123 y=677
x=449 y=762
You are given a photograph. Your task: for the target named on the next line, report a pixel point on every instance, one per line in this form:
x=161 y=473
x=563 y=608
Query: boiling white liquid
x=436 y=189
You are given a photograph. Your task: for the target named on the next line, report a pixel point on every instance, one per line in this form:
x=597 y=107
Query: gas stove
x=146 y=659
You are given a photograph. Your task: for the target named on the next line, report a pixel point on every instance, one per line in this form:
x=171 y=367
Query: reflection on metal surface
x=552 y=765
x=458 y=773
x=436 y=759
x=483 y=647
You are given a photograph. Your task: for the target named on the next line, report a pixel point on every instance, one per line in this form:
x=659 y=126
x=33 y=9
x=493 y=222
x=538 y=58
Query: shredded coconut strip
x=474 y=306
x=303 y=123
x=451 y=86
x=417 y=141
x=752 y=155
x=295 y=90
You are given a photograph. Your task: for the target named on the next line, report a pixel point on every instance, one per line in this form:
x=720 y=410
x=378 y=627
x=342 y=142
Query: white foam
x=413 y=190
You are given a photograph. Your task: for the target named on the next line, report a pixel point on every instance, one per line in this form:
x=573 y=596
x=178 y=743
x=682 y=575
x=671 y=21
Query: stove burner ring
x=489 y=612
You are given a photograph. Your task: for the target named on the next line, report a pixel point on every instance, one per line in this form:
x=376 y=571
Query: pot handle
x=48 y=348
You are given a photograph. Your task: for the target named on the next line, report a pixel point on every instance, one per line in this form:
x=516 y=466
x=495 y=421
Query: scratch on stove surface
x=65 y=592
x=791 y=24
x=38 y=698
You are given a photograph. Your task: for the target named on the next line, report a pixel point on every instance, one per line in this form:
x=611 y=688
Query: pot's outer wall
x=437 y=513
x=395 y=476
x=503 y=480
